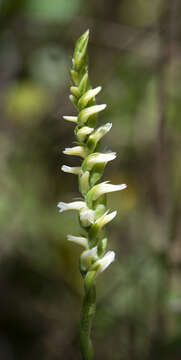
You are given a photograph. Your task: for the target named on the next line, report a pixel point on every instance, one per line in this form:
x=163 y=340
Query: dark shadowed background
x=135 y=54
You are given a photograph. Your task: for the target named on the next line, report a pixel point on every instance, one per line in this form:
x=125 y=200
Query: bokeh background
x=135 y=54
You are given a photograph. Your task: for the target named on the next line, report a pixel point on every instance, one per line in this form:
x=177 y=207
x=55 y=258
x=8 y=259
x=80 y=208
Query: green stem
x=87 y=314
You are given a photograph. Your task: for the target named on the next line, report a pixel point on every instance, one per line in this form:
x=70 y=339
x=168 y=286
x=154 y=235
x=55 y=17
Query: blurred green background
x=135 y=53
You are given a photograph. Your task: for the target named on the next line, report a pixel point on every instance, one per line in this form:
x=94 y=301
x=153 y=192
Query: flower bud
x=80 y=50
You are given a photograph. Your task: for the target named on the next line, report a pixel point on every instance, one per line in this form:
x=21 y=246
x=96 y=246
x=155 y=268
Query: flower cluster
x=93 y=215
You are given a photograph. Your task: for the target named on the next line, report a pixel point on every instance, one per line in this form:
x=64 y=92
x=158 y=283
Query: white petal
x=70 y=118
x=76 y=150
x=99 y=158
x=78 y=240
x=91 y=110
x=71 y=170
x=75 y=205
x=104 y=262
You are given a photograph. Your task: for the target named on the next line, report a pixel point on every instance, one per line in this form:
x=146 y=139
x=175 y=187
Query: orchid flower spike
x=92 y=213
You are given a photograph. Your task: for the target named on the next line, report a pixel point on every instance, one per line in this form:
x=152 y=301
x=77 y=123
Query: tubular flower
x=92 y=212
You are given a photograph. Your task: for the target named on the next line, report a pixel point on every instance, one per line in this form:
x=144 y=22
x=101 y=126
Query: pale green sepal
x=83 y=83
x=89 y=280
x=74 y=76
x=102 y=246
x=84 y=183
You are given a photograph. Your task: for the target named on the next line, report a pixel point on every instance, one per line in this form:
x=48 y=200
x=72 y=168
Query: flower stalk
x=92 y=212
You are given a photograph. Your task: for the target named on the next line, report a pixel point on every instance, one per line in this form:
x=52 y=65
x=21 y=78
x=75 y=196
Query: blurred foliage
x=135 y=53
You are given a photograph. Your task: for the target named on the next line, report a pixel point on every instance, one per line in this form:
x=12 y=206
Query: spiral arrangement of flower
x=92 y=211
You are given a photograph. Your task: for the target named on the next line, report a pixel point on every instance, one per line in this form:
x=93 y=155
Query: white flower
x=70 y=118
x=98 y=158
x=89 y=95
x=71 y=170
x=91 y=110
x=86 y=216
x=101 y=264
x=98 y=134
x=104 y=219
x=101 y=189
x=76 y=150
x=75 y=205
x=88 y=257
x=78 y=240
x=83 y=132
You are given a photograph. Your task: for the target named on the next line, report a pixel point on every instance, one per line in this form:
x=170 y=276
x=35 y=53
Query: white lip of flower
x=89 y=95
x=71 y=170
x=105 y=219
x=76 y=150
x=101 y=264
x=98 y=158
x=100 y=132
x=103 y=188
x=86 y=113
x=88 y=257
x=83 y=132
x=70 y=118
x=86 y=216
x=80 y=240
x=75 y=205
